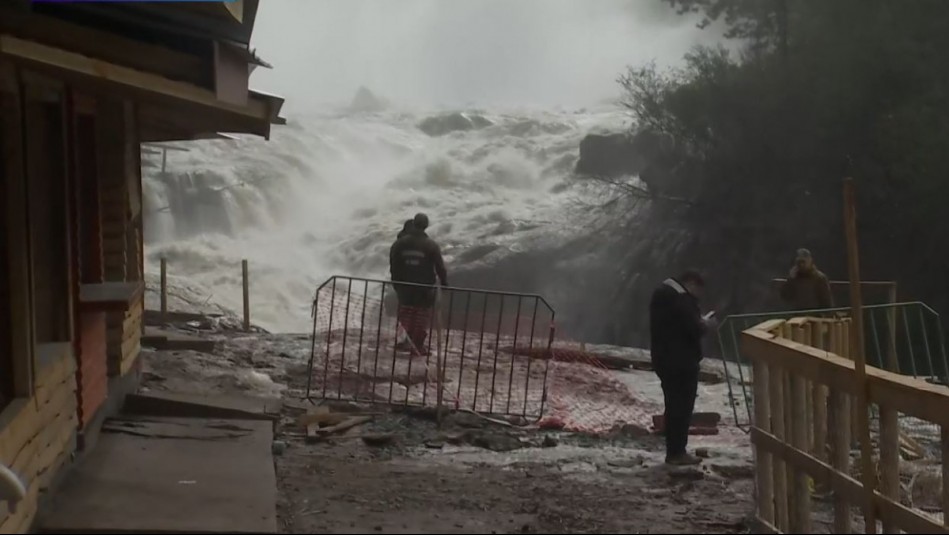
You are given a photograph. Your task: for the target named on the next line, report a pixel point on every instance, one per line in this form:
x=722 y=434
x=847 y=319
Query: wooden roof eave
x=201 y=104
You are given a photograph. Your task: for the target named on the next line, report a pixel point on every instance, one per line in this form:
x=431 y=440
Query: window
x=90 y=246
x=7 y=391
x=46 y=168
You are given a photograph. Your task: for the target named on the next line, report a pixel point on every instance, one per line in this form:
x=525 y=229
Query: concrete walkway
x=171 y=475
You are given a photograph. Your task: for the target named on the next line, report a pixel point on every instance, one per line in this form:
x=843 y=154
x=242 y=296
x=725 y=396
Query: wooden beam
x=911 y=396
x=108 y=47
x=16 y=212
x=139 y=82
x=231 y=75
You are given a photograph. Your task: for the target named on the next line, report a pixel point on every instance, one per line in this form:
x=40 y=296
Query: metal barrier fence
x=905 y=338
x=413 y=345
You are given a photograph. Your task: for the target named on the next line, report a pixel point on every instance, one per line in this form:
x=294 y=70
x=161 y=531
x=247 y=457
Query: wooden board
x=908 y=395
x=905 y=518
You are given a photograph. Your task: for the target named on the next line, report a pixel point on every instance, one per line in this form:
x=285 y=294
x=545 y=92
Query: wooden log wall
x=38 y=439
x=121 y=226
x=125 y=337
x=92 y=376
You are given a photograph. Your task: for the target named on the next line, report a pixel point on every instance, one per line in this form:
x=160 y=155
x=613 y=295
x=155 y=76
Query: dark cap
x=692 y=276
x=421 y=221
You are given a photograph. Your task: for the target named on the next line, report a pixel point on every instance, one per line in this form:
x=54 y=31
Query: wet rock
x=635 y=462
x=366 y=101
x=689 y=473
x=734 y=471
x=609 y=155
x=550 y=442
x=379 y=440
x=499 y=442
x=278 y=447
x=466 y=419
x=441 y=125
x=703 y=453
x=519 y=421
x=435 y=444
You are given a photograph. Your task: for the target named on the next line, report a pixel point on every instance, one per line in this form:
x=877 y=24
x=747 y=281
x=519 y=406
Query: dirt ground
x=461 y=480
x=470 y=476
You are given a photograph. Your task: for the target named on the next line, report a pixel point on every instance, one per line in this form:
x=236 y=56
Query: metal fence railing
x=415 y=345
x=906 y=338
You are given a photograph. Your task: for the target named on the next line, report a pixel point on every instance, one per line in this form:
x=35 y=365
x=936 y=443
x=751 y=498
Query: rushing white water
x=328 y=193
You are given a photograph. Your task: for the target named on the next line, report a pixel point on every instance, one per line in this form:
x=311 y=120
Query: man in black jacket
x=416 y=258
x=676 y=328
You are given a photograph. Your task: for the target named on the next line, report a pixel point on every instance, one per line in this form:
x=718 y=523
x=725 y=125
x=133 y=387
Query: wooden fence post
x=860 y=364
x=246 y=285
x=764 y=470
x=841 y=438
x=164 y=291
x=945 y=474
x=776 y=390
x=890 y=460
x=819 y=396
x=801 y=514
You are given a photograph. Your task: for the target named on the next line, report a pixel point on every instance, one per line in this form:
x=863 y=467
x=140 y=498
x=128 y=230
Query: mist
x=539 y=53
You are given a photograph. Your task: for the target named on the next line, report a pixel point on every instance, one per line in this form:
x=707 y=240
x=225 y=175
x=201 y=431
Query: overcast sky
x=458 y=52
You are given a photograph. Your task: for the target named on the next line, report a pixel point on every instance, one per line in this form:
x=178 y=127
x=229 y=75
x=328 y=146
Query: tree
x=759 y=139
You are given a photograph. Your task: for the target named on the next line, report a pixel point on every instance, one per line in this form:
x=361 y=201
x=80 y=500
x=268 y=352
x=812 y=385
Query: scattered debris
x=910 y=449
x=315 y=432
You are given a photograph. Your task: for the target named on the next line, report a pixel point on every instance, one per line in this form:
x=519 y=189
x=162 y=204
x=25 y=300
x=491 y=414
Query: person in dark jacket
x=415 y=258
x=807 y=288
x=406 y=228
x=676 y=328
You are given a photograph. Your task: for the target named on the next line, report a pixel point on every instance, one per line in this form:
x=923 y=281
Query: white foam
x=329 y=192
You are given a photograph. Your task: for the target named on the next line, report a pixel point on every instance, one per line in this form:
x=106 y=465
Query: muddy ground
x=470 y=476
x=478 y=477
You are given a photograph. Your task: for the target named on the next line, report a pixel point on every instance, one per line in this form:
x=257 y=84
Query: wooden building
x=82 y=85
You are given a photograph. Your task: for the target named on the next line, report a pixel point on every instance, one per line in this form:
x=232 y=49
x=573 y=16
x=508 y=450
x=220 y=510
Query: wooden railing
x=805 y=388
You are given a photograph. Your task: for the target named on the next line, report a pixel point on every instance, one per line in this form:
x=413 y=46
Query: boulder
x=366 y=101
x=441 y=125
x=608 y=155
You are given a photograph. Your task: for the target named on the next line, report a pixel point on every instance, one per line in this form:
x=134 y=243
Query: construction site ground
x=401 y=472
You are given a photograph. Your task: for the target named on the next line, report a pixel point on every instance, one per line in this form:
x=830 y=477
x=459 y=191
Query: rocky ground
x=403 y=472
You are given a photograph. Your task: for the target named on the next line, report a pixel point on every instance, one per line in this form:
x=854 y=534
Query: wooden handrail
x=804 y=378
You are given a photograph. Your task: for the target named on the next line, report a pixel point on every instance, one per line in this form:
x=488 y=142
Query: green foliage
x=760 y=140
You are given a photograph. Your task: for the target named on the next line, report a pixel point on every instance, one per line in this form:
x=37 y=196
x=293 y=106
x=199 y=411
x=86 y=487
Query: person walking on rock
x=415 y=258
x=676 y=328
x=807 y=288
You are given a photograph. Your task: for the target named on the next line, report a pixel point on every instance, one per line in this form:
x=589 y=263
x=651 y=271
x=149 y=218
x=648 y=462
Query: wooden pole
x=840 y=438
x=246 y=284
x=764 y=471
x=945 y=473
x=164 y=290
x=801 y=511
x=859 y=357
